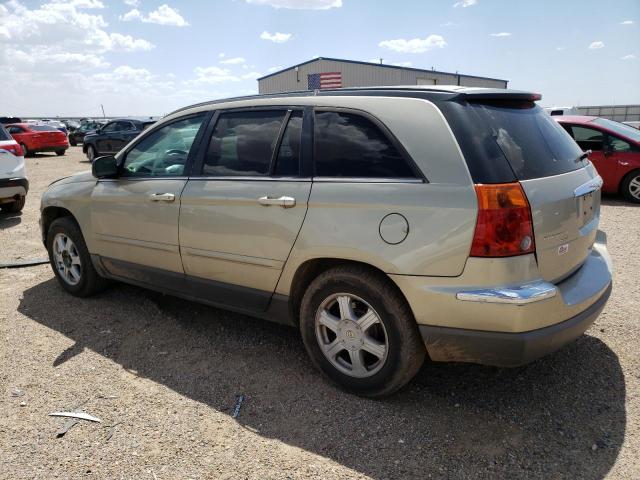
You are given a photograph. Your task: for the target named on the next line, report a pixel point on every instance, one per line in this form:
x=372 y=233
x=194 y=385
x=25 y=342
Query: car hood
x=77 y=178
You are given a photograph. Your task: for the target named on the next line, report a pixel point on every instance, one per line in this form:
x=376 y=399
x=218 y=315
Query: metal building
x=325 y=72
x=619 y=113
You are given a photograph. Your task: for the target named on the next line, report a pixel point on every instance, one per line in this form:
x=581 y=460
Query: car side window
x=110 y=127
x=163 y=152
x=15 y=130
x=588 y=138
x=350 y=145
x=242 y=143
x=618 y=145
x=288 y=160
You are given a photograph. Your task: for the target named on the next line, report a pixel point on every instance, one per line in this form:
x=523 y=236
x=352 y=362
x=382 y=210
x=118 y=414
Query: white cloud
x=132 y=3
x=561 y=48
x=415 y=45
x=163 y=15
x=222 y=55
x=275 y=37
x=233 y=61
x=300 y=4
x=627 y=22
x=500 y=34
x=213 y=74
x=81 y=3
x=449 y=24
x=251 y=76
x=631 y=56
x=274 y=69
x=465 y=3
x=596 y=45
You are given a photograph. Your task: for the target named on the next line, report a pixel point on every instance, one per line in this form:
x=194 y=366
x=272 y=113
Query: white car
x=13 y=179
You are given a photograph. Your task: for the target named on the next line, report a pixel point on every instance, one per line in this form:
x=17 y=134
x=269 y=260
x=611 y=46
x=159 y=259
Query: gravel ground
x=163 y=375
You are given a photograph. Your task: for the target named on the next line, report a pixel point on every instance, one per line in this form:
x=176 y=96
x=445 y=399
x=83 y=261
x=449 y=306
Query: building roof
x=372 y=64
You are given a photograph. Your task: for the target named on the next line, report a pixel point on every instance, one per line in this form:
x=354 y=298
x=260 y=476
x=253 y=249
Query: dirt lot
x=163 y=375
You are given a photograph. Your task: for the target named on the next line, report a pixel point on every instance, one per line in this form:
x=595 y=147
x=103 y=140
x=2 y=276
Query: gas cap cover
x=394 y=228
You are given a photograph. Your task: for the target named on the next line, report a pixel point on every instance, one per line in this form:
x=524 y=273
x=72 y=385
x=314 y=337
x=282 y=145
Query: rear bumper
x=508 y=349
x=50 y=148
x=12 y=187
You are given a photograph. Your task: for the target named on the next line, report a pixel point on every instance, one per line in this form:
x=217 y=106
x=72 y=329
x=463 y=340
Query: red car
x=38 y=138
x=615 y=151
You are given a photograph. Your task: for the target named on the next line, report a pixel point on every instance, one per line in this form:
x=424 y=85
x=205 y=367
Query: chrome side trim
x=516 y=295
x=588 y=187
x=367 y=180
x=232 y=257
x=137 y=243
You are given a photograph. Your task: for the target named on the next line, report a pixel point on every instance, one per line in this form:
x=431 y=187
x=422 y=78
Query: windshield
x=42 y=128
x=619 y=128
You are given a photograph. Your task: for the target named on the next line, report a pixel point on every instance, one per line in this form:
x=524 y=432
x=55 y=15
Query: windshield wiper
x=583 y=155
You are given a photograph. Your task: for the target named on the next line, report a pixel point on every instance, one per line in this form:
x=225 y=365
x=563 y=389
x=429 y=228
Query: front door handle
x=162 y=197
x=284 y=202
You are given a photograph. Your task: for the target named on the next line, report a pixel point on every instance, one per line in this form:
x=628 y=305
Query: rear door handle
x=162 y=197
x=284 y=202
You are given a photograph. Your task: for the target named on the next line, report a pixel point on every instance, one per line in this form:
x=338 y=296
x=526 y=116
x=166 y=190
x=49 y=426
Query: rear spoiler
x=499 y=94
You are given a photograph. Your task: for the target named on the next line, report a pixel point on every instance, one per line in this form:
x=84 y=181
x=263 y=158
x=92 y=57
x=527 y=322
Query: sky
x=148 y=57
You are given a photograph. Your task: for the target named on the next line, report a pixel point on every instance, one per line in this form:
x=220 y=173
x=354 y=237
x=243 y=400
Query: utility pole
x=102 y=107
x=381 y=60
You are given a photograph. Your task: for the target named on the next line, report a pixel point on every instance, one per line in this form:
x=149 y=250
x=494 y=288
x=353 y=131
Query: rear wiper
x=583 y=155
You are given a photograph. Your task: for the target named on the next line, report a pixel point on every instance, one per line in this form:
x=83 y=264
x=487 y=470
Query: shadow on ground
x=561 y=417
x=8 y=220
x=613 y=200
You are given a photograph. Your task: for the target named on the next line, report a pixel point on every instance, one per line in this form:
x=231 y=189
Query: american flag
x=318 y=81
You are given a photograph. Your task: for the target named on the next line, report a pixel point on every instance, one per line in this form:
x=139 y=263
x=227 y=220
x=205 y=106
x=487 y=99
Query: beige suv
x=386 y=224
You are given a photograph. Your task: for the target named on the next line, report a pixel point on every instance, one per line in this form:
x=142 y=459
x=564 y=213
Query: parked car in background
x=39 y=138
x=8 y=120
x=13 y=181
x=77 y=135
x=556 y=111
x=615 y=151
x=58 y=125
x=633 y=124
x=110 y=138
x=385 y=223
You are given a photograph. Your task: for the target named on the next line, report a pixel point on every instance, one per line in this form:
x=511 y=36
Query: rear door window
x=242 y=143
x=350 y=145
x=288 y=160
x=507 y=140
x=588 y=138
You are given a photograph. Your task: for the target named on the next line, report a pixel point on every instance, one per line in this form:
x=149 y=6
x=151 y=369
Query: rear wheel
x=360 y=332
x=60 y=152
x=631 y=186
x=70 y=259
x=91 y=153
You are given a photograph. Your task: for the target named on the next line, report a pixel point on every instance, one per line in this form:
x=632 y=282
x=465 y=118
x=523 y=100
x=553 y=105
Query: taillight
x=13 y=148
x=504 y=227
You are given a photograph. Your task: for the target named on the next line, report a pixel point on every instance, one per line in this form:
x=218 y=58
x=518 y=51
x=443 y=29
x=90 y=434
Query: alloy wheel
x=67 y=259
x=351 y=335
x=634 y=187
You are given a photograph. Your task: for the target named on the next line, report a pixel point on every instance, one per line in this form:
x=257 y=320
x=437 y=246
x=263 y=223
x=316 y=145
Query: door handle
x=284 y=202
x=162 y=197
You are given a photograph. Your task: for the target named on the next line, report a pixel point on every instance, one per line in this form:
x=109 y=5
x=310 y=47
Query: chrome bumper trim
x=517 y=295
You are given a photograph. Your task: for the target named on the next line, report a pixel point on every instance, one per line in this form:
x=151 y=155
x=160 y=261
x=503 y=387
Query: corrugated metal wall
x=360 y=75
x=619 y=113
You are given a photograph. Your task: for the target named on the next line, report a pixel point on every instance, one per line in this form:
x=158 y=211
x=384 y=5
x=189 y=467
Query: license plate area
x=586 y=208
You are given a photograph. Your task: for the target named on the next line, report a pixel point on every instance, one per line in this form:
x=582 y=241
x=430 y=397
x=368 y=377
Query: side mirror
x=105 y=167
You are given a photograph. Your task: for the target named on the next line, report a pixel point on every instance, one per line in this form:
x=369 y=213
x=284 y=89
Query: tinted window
x=163 y=152
x=242 y=143
x=587 y=138
x=4 y=135
x=42 y=128
x=620 y=128
x=349 y=145
x=110 y=127
x=503 y=141
x=618 y=145
x=123 y=126
x=288 y=161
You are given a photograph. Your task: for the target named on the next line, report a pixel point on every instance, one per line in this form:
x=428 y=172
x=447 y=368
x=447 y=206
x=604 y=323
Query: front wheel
x=360 y=332
x=70 y=259
x=91 y=153
x=631 y=186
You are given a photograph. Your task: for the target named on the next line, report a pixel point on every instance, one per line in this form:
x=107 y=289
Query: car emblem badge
x=562 y=249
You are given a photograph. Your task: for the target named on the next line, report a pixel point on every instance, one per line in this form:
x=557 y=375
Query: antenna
x=102 y=107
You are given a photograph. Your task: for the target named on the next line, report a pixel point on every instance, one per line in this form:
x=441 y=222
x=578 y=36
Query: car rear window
x=619 y=128
x=42 y=128
x=4 y=135
x=504 y=141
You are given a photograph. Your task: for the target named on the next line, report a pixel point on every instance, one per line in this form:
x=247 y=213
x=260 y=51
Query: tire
x=15 y=207
x=60 y=153
x=630 y=186
x=91 y=153
x=86 y=280
x=25 y=150
x=370 y=294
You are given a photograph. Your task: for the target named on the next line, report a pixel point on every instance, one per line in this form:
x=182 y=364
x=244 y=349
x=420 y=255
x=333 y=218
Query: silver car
x=387 y=224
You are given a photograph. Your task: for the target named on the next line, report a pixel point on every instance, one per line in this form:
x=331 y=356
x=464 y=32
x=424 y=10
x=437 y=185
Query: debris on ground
x=236 y=409
x=16 y=392
x=79 y=415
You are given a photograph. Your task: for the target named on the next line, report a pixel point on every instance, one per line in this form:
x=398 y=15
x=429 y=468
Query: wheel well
x=624 y=179
x=310 y=270
x=49 y=214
